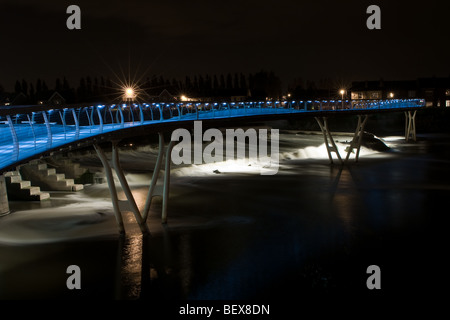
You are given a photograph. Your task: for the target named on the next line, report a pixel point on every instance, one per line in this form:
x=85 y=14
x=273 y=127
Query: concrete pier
x=4 y=205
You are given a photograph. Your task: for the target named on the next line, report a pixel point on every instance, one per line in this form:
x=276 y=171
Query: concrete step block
x=41 y=166
x=12 y=173
x=77 y=187
x=49 y=172
x=31 y=190
x=22 y=190
x=61 y=185
x=24 y=184
x=44 y=196
x=13 y=179
x=56 y=177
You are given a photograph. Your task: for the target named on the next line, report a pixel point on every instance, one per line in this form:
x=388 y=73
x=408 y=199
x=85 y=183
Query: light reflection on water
x=131 y=251
x=344 y=196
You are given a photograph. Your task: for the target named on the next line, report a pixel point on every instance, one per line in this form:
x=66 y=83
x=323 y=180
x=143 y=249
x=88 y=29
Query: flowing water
x=235 y=234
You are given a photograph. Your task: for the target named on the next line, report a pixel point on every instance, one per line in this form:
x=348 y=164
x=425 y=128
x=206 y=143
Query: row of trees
x=256 y=86
x=95 y=89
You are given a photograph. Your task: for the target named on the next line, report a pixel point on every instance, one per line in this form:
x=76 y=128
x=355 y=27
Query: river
x=235 y=234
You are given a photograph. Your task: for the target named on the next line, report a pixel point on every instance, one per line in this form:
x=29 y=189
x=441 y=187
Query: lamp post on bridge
x=129 y=96
x=342 y=92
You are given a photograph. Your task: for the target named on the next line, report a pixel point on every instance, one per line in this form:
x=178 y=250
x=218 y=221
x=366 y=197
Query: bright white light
x=342 y=92
x=129 y=93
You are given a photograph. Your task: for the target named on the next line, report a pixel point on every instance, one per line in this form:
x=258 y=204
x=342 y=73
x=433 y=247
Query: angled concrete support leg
x=141 y=219
x=323 y=124
x=4 y=204
x=167 y=181
x=410 y=125
x=357 y=138
x=126 y=188
x=112 y=187
x=155 y=177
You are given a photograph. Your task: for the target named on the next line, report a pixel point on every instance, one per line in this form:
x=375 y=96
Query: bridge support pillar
x=354 y=144
x=166 y=182
x=357 y=138
x=323 y=124
x=410 y=125
x=155 y=176
x=4 y=205
x=112 y=187
x=126 y=188
x=141 y=217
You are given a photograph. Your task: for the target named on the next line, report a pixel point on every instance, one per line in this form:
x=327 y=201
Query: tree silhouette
x=32 y=94
x=24 y=87
x=17 y=87
x=58 y=85
x=261 y=84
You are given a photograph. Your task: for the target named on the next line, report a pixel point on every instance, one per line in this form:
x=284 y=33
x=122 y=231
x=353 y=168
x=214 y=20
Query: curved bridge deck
x=27 y=132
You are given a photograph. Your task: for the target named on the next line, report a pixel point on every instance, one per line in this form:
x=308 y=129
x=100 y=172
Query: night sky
x=174 y=38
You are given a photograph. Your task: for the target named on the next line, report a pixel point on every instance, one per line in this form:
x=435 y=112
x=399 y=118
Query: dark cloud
x=309 y=39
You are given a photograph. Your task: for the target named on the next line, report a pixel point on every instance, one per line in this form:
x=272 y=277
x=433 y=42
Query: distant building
x=19 y=99
x=55 y=99
x=241 y=95
x=238 y=98
x=5 y=100
x=436 y=91
x=235 y=95
x=166 y=96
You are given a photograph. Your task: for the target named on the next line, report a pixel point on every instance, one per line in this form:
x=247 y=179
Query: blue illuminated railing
x=28 y=133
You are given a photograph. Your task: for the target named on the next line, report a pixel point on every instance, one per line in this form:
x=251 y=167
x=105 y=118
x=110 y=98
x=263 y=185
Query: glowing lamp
x=129 y=93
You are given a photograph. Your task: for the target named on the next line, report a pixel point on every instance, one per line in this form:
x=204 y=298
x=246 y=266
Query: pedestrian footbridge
x=29 y=132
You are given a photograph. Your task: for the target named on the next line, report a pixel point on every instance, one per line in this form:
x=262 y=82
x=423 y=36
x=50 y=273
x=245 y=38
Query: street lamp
x=129 y=93
x=391 y=95
x=342 y=92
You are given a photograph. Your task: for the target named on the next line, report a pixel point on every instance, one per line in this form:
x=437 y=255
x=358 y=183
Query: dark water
x=311 y=229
